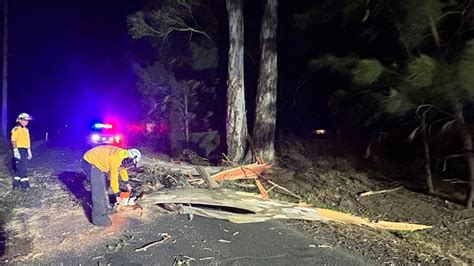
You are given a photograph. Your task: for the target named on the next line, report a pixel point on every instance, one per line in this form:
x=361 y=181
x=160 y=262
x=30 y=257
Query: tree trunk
x=176 y=132
x=434 y=32
x=265 y=114
x=429 y=177
x=250 y=208
x=5 y=70
x=186 y=120
x=236 y=122
x=426 y=150
x=467 y=146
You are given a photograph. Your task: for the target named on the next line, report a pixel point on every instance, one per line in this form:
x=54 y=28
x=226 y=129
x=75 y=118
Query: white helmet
x=135 y=155
x=24 y=116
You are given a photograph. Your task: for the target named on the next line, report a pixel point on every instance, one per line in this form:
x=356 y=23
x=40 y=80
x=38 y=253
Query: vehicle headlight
x=95 y=137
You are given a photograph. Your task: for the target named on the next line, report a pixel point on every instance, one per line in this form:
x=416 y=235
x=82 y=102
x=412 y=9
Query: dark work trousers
x=20 y=169
x=100 y=199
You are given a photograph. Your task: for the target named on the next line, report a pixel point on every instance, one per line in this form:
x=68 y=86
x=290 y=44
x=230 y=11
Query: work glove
x=29 y=155
x=118 y=199
x=16 y=154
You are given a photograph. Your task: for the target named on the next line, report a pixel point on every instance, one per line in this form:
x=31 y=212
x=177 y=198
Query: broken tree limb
x=261 y=189
x=368 y=193
x=211 y=182
x=351 y=219
x=244 y=185
x=283 y=188
x=249 y=171
x=217 y=173
x=251 y=208
x=455 y=181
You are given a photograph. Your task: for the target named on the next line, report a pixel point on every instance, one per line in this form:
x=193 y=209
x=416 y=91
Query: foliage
x=465 y=69
x=416 y=80
x=207 y=141
x=396 y=102
x=418 y=16
x=421 y=71
x=367 y=72
x=429 y=79
x=174 y=87
x=170 y=17
x=202 y=57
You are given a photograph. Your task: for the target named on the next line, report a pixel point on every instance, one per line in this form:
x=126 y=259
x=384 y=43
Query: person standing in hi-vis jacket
x=21 y=152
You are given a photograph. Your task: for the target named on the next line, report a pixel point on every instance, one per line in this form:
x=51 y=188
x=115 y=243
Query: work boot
x=86 y=184
x=101 y=220
x=16 y=183
x=25 y=185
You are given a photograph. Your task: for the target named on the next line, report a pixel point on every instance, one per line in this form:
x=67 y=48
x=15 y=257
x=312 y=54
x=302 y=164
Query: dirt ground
x=334 y=183
x=36 y=224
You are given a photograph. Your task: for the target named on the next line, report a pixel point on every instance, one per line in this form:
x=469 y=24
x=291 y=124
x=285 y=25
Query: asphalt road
x=205 y=241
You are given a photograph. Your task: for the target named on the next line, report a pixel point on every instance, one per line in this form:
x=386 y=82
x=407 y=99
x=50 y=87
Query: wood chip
x=145 y=247
x=224 y=241
x=207 y=258
x=324 y=246
x=368 y=193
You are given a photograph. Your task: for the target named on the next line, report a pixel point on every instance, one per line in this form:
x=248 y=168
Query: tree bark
x=186 y=120
x=434 y=32
x=176 y=135
x=265 y=114
x=426 y=150
x=429 y=176
x=251 y=209
x=236 y=122
x=467 y=146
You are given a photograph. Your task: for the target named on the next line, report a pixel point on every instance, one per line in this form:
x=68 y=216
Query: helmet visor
x=25 y=117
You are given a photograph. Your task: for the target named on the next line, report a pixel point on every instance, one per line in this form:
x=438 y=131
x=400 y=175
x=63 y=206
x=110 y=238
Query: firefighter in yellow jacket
x=21 y=152
x=109 y=161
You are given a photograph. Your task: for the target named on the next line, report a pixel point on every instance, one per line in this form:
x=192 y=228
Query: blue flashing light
x=100 y=126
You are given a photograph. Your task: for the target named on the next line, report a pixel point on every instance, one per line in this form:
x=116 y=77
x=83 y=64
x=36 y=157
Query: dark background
x=70 y=64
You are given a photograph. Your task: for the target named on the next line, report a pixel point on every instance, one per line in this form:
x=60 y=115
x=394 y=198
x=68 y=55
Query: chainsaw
x=128 y=198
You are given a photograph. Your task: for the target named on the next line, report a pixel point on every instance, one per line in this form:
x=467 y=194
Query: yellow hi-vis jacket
x=21 y=137
x=108 y=159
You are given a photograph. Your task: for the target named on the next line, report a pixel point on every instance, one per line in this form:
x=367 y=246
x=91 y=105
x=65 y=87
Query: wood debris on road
x=251 y=208
x=165 y=236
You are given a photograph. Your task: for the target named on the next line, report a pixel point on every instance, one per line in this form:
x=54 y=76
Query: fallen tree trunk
x=217 y=173
x=242 y=207
x=184 y=169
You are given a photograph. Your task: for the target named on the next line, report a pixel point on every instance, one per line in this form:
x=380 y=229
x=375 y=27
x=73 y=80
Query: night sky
x=70 y=61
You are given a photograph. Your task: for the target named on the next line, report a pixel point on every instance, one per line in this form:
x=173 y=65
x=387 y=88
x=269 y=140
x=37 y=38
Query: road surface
x=47 y=225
